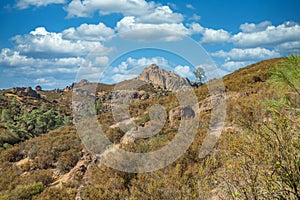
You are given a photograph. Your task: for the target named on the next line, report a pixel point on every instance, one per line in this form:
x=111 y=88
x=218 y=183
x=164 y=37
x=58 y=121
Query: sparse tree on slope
x=200 y=75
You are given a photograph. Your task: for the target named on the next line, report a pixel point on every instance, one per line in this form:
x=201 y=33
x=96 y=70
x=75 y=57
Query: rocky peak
x=81 y=83
x=153 y=67
x=162 y=78
x=23 y=91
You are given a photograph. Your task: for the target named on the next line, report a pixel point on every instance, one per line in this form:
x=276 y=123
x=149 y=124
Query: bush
x=268 y=159
x=68 y=160
x=7 y=138
x=28 y=124
x=63 y=193
x=26 y=192
x=43 y=176
x=11 y=155
x=5 y=115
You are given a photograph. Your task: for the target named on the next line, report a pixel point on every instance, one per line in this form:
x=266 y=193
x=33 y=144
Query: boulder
x=38 y=88
x=179 y=113
x=68 y=89
x=129 y=137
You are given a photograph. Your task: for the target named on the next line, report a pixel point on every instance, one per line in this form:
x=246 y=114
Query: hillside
x=256 y=157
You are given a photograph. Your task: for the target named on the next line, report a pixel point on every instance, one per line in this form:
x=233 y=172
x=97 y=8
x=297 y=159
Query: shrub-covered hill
x=26 y=113
x=256 y=157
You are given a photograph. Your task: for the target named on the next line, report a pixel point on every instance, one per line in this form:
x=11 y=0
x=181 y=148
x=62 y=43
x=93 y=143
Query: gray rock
x=163 y=79
x=180 y=113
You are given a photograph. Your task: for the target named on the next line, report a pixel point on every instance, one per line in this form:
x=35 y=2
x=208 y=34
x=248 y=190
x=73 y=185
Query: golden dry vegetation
x=256 y=157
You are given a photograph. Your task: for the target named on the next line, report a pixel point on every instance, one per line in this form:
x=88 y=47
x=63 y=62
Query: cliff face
x=161 y=78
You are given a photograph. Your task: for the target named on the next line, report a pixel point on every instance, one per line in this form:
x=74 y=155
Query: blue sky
x=47 y=42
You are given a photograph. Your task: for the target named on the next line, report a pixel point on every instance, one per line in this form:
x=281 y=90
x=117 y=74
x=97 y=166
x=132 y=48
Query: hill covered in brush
x=256 y=157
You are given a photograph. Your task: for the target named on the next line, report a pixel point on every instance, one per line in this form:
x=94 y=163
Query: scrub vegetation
x=256 y=157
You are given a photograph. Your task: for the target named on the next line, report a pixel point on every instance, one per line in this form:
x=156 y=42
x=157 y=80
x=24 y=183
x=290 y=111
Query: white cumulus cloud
x=161 y=14
x=23 y=4
x=129 y=28
x=211 y=36
x=267 y=35
x=89 y=32
x=85 y=8
x=252 y=28
x=246 y=54
x=184 y=71
x=11 y=58
x=231 y=66
x=40 y=42
x=289 y=47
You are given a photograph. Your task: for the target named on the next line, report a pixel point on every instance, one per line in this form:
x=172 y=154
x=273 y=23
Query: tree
x=35 y=122
x=200 y=74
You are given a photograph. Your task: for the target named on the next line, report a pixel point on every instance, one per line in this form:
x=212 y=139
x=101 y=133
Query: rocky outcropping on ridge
x=161 y=78
x=26 y=92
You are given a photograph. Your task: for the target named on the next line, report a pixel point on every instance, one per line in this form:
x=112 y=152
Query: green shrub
x=65 y=192
x=27 y=124
x=5 y=115
x=26 y=192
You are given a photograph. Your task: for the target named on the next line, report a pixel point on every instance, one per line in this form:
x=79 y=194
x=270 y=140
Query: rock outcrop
x=38 y=88
x=79 y=84
x=163 y=79
x=22 y=91
x=178 y=113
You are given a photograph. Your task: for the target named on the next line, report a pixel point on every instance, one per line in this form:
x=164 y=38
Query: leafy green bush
x=25 y=124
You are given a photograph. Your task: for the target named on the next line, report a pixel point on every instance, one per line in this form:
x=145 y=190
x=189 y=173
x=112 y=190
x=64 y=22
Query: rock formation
x=22 y=91
x=38 y=88
x=179 y=113
x=163 y=79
